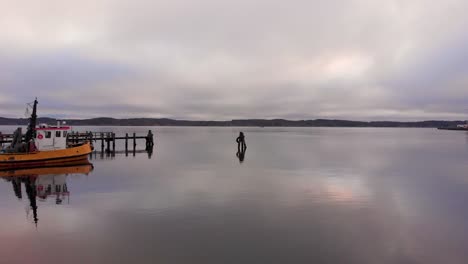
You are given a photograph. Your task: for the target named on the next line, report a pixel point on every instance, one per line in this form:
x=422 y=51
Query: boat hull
x=45 y=158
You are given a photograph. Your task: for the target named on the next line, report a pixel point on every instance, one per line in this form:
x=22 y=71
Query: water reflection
x=149 y=150
x=241 y=155
x=110 y=155
x=304 y=196
x=43 y=183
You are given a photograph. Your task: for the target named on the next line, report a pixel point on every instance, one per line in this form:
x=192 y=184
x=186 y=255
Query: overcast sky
x=216 y=59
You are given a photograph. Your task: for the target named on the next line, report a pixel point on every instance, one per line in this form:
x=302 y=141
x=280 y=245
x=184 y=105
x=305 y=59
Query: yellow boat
x=46 y=157
x=42 y=146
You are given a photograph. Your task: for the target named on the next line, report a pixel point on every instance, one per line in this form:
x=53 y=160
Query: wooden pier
x=105 y=140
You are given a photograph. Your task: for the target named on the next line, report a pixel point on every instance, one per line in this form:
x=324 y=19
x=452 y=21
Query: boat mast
x=31 y=133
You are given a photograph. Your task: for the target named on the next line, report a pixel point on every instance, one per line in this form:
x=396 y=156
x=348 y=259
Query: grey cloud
x=54 y=72
x=438 y=80
x=212 y=59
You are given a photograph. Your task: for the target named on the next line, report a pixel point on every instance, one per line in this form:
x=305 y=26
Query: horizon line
x=245 y=119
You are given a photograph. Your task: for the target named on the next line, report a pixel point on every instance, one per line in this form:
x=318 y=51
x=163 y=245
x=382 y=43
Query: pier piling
x=102 y=142
x=149 y=140
x=126 y=144
x=113 y=142
x=134 y=143
x=108 y=142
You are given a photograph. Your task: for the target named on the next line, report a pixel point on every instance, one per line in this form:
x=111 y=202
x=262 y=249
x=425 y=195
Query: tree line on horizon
x=107 y=121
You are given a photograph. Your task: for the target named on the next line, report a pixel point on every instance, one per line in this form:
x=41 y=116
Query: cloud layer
x=211 y=59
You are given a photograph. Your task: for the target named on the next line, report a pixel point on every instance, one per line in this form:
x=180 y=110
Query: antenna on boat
x=31 y=133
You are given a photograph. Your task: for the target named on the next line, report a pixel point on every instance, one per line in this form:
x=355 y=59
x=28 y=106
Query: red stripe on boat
x=52 y=128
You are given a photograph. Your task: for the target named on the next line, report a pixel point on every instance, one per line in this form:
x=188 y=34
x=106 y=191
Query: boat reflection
x=44 y=183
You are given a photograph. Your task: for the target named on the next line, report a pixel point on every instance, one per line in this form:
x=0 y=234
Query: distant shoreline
x=106 y=121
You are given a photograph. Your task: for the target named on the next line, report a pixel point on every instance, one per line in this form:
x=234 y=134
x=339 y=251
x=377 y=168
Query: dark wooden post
x=126 y=144
x=113 y=142
x=134 y=143
x=149 y=141
x=102 y=142
x=108 y=141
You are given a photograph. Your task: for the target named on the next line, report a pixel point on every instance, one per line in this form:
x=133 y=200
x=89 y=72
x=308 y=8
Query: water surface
x=301 y=195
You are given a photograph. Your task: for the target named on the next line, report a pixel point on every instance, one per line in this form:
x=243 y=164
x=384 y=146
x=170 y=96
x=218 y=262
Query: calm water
x=301 y=195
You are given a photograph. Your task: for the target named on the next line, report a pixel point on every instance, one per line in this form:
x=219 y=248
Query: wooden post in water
x=102 y=142
x=113 y=142
x=108 y=142
x=149 y=141
x=134 y=143
x=126 y=144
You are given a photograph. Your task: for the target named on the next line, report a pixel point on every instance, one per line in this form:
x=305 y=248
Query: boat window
x=57 y=133
x=64 y=134
x=48 y=134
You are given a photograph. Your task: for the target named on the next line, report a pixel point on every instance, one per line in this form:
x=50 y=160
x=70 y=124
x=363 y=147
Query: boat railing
x=8 y=138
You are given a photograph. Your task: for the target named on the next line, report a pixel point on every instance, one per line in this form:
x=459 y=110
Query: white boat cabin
x=465 y=126
x=51 y=137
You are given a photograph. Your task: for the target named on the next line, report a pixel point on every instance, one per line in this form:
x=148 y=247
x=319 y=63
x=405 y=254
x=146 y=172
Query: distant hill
x=108 y=121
